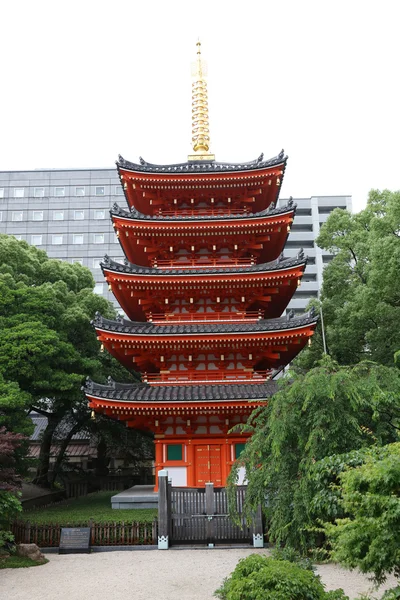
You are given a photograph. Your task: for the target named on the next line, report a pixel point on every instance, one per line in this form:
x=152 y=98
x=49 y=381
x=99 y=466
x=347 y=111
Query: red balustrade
x=205 y=317
x=203 y=263
x=196 y=377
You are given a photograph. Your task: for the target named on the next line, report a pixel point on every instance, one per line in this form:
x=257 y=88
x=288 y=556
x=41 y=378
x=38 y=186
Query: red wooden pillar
x=190 y=463
x=159 y=460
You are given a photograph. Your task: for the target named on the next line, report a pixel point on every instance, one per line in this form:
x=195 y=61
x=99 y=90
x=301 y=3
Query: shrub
x=392 y=594
x=293 y=556
x=260 y=578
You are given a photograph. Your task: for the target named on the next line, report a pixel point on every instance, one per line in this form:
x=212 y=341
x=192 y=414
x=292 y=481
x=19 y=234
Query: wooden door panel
x=208 y=465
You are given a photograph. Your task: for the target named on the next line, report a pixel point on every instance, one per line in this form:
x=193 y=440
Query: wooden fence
x=102 y=534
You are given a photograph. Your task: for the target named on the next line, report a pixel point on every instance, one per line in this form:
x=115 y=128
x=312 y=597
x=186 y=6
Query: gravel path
x=144 y=574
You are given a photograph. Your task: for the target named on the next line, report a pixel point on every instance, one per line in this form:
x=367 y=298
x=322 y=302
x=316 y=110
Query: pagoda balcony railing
x=198 y=377
x=208 y=212
x=204 y=263
x=206 y=317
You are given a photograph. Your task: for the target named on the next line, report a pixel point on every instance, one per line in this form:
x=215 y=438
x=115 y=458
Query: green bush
x=260 y=578
x=293 y=556
x=392 y=594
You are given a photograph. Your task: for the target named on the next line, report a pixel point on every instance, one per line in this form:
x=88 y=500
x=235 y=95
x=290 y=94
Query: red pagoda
x=204 y=285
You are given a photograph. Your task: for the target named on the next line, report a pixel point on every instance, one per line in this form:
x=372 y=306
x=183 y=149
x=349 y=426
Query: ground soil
x=188 y=574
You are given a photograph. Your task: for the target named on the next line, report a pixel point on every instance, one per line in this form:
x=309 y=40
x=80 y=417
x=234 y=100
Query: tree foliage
x=369 y=538
x=329 y=410
x=361 y=289
x=47 y=343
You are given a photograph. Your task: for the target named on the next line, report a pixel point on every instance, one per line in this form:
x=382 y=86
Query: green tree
x=47 y=344
x=329 y=410
x=361 y=289
x=369 y=538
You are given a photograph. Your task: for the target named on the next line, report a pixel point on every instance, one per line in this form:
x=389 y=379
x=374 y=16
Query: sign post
x=74 y=540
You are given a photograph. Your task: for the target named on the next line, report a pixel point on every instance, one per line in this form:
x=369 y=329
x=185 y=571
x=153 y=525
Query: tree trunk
x=102 y=460
x=42 y=471
x=61 y=451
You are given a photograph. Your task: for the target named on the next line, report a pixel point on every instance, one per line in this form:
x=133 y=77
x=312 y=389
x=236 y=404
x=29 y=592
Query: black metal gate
x=200 y=516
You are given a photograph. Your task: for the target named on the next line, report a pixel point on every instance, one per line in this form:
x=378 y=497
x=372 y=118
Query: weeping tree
x=329 y=410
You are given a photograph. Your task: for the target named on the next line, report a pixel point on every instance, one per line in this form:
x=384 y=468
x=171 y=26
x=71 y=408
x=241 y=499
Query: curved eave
x=243 y=332
x=145 y=395
x=194 y=170
x=155 y=276
x=203 y=224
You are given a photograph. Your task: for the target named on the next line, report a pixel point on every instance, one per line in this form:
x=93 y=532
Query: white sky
x=84 y=81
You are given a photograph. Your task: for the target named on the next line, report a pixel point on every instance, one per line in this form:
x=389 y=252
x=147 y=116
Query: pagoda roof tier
x=150 y=187
x=267 y=287
x=271 y=343
x=134 y=214
x=127 y=268
x=125 y=327
x=145 y=238
x=201 y=166
x=127 y=402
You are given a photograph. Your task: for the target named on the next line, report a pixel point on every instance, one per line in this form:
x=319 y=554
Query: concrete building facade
x=66 y=213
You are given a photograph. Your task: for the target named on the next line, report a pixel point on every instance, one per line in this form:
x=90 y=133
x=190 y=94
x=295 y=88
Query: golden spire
x=200 y=128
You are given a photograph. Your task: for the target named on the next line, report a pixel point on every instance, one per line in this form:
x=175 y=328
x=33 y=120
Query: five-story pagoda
x=204 y=285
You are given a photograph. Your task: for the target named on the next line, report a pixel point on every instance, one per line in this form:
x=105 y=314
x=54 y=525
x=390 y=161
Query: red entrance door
x=208 y=465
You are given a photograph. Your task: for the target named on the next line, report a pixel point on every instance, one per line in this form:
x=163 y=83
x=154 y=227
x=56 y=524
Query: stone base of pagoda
x=138 y=496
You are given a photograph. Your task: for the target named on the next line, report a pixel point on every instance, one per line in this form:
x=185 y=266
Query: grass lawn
x=16 y=562
x=95 y=506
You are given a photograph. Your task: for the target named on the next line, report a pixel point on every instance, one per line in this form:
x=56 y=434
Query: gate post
x=163 y=510
x=258 y=533
x=210 y=510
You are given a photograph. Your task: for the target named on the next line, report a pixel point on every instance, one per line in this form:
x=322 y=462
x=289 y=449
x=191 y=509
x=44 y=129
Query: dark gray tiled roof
x=117 y=211
x=203 y=167
x=263 y=325
x=130 y=268
x=40 y=423
x=143 y=392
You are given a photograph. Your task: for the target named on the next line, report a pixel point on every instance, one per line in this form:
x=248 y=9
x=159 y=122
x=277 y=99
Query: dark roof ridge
x=280 y=263
x=144 y=392
x=122 y=325
x=202 y=166
x=135 y=214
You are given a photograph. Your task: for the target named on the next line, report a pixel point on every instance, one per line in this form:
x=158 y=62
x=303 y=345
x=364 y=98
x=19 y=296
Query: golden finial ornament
x=200 y=127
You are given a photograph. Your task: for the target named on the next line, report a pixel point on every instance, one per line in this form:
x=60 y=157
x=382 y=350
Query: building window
x=79 y=215
x=99 y=190
x=37 y=215
x=118 y=190
x=80 y=190
x=36 y=240
x=1 y=192
x=98 y=289
x=238 y=450
x=18 y=237
x=59 y=191
x=56 y=240
x=99 y=214
x=58 y=215
x=17 y=215
x=96 y=263
x=77 y=261
x=19 y=192
x=38 y=192
x=1 y=216
x=98 y=238
x=174 y=452
x=77 y=238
